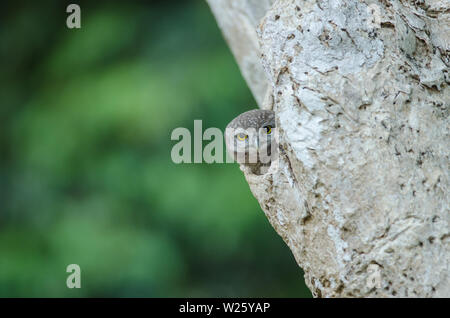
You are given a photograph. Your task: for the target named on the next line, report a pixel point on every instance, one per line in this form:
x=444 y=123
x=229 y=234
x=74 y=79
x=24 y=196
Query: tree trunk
x=361 y=97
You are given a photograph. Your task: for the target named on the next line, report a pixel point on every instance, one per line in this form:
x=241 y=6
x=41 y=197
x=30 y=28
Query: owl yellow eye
x=241 y=137
x=268 y=129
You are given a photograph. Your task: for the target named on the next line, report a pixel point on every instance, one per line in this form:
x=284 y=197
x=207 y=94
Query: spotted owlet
x=250 y=139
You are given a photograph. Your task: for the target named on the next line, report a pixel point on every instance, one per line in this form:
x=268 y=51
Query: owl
x=250 y=139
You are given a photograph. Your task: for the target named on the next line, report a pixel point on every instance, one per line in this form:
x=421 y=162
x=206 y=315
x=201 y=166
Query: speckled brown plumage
x=258 y=143
x=252 y=119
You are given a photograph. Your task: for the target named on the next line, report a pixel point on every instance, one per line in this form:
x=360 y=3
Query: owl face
x=250 y=136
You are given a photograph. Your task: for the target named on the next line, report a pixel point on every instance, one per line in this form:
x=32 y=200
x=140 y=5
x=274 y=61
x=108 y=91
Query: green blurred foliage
x=85 y=170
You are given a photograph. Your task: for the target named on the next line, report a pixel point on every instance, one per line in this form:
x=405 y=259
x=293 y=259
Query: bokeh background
x=85 y=170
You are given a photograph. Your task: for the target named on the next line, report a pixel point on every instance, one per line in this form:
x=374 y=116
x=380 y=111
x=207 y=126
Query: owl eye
x=241 y=136
x=268 y=129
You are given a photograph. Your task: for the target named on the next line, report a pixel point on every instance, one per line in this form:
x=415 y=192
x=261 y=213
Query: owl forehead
x=252 y=119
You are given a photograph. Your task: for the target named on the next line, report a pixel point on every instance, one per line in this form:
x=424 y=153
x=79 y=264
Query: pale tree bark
x=361 y=96
x=238 y=20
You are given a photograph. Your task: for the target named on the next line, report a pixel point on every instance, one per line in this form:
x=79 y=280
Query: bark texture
x=238 y=20
x=360 y=191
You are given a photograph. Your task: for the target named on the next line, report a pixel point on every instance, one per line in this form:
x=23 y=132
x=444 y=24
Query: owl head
x=250 y=137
